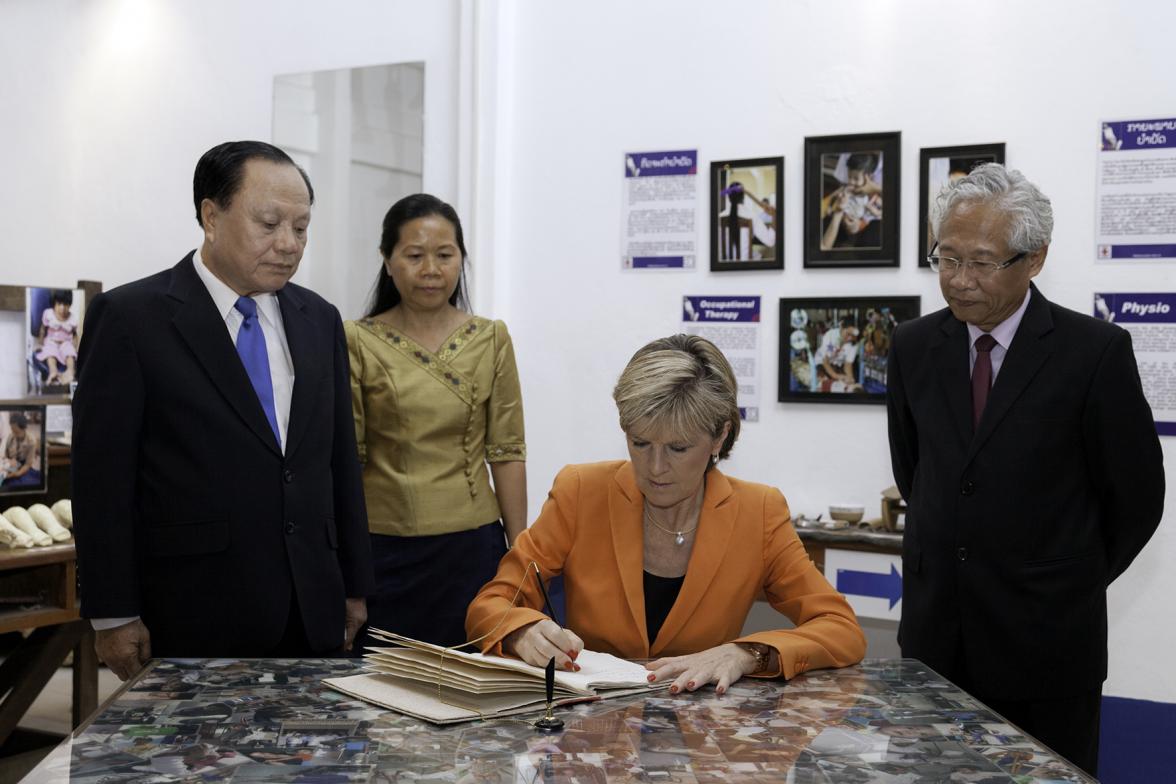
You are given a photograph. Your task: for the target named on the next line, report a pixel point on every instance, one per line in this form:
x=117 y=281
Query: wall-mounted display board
x=733 y=325
x=851 y=200
x=937 y=167
x=660 y=204
x=746 y=214
x=1136 y=218
x=834 y=349
x=1151 y=320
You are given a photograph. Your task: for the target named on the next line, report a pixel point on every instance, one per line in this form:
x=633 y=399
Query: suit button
x=290 y=527
x=962 y=553
x=968 y=487
x=288 y=476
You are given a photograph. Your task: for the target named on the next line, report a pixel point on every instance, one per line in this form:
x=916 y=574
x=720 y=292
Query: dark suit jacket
x=1014 y=533
x=186 y=511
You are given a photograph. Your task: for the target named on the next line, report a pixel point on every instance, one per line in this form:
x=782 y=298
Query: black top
x=660 y=595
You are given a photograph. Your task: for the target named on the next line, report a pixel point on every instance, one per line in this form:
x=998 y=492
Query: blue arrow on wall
x=879 y=586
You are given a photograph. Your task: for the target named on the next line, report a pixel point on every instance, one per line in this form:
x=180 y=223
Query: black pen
x=551 y=613
x=546 y=598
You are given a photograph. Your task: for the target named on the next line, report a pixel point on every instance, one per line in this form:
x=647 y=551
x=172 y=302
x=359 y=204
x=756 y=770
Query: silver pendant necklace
x=679 y=536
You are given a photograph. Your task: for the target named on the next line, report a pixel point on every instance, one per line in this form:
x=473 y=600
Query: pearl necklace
x=679 y=536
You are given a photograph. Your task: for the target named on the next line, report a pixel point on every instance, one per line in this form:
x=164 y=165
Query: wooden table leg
x=47 y=649
x=85 y=675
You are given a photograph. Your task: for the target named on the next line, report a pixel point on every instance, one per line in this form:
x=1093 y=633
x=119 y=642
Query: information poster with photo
x=1136 y=207
x=732 y=324
x=1151 y=320
x=660 y=209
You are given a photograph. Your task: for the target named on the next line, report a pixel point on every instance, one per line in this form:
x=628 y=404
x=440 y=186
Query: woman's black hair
x=385 y=295
x=19 y=420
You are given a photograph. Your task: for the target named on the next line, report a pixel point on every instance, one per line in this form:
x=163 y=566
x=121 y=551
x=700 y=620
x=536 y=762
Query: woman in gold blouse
x=436 y=398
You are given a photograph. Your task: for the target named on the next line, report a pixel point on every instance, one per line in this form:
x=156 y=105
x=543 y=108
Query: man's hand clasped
x=124 y=649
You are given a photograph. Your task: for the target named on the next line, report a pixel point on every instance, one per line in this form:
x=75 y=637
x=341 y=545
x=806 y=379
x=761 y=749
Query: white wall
x=359 y=135
x=108 y=104
x=750 y=79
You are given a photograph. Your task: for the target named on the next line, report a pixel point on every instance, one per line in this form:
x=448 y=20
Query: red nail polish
x=689 y=684
x=673 y=690
x=651 y=677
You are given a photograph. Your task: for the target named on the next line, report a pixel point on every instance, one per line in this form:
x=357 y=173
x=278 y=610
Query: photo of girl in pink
x=54 y=326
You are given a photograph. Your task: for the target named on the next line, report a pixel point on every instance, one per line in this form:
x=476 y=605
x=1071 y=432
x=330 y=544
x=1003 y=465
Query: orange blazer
x=590 y=531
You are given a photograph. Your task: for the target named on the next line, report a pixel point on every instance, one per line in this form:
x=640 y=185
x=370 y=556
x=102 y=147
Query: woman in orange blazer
x=663 y=555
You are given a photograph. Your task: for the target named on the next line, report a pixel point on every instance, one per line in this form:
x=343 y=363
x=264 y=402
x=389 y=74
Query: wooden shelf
x=48 y=572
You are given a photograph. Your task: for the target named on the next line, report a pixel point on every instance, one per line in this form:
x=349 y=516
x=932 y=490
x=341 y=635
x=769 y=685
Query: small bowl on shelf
x=847 y=514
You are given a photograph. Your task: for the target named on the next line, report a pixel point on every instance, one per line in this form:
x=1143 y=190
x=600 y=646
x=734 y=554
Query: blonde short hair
x=681 y=384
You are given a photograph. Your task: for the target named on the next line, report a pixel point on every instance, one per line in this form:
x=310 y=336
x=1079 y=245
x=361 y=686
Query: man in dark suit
x=218 y=503
x=1029 y=460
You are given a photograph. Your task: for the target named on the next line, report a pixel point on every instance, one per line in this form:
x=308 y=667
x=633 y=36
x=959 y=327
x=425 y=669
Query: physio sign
x=1151 y=320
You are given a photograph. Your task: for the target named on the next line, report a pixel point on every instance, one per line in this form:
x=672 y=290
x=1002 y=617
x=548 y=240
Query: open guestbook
x=446 y=686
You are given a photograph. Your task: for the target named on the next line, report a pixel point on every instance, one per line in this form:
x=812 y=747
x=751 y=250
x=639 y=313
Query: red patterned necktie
x=981 y=377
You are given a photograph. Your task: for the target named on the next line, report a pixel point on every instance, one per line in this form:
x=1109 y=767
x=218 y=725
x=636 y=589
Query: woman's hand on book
x=536 y=643
x=721 y=665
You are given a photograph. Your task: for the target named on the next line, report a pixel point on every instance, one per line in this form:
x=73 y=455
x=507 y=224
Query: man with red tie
x=1028 y=457
x=218 y=504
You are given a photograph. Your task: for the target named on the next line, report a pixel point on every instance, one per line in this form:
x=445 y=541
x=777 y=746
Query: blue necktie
x=251 y=348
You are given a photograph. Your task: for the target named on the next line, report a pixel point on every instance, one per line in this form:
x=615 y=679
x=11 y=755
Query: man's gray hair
x=1008 y=191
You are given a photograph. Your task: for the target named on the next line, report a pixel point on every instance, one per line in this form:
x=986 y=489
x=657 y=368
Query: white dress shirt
x=269 y=316
x=1003 y=333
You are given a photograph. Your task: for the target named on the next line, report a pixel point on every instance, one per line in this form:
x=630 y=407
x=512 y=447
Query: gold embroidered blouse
x=427 y=424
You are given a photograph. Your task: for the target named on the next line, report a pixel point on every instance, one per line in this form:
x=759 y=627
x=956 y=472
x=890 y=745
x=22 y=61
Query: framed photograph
x=937 y=167
x=746 y=210
x=851 y=194
x=24 y=457
x=834 y=349
x=53 y=321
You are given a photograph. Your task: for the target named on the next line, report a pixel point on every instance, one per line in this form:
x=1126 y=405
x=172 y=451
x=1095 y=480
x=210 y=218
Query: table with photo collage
x=273 y=720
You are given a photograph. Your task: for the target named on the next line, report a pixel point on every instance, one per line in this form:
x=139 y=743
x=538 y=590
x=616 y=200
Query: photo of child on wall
x=54 y=331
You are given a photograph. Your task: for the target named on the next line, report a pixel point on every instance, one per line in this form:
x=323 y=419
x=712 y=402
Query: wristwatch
x=762 y=654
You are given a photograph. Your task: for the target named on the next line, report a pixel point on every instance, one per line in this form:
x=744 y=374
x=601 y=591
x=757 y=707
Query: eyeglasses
x=977 y=269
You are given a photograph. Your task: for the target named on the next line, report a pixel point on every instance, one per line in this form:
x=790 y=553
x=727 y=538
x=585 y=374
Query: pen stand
x=549 y=723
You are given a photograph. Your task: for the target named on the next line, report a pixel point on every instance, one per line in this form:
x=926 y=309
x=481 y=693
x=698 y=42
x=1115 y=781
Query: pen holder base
x=549 y=723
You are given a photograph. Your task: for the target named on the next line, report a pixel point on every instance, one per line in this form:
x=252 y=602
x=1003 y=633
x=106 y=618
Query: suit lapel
x=203 y=329
x=951 y=361
x=625 y=507
x=307 y=353
x=1031 y=347
x=716 y=522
